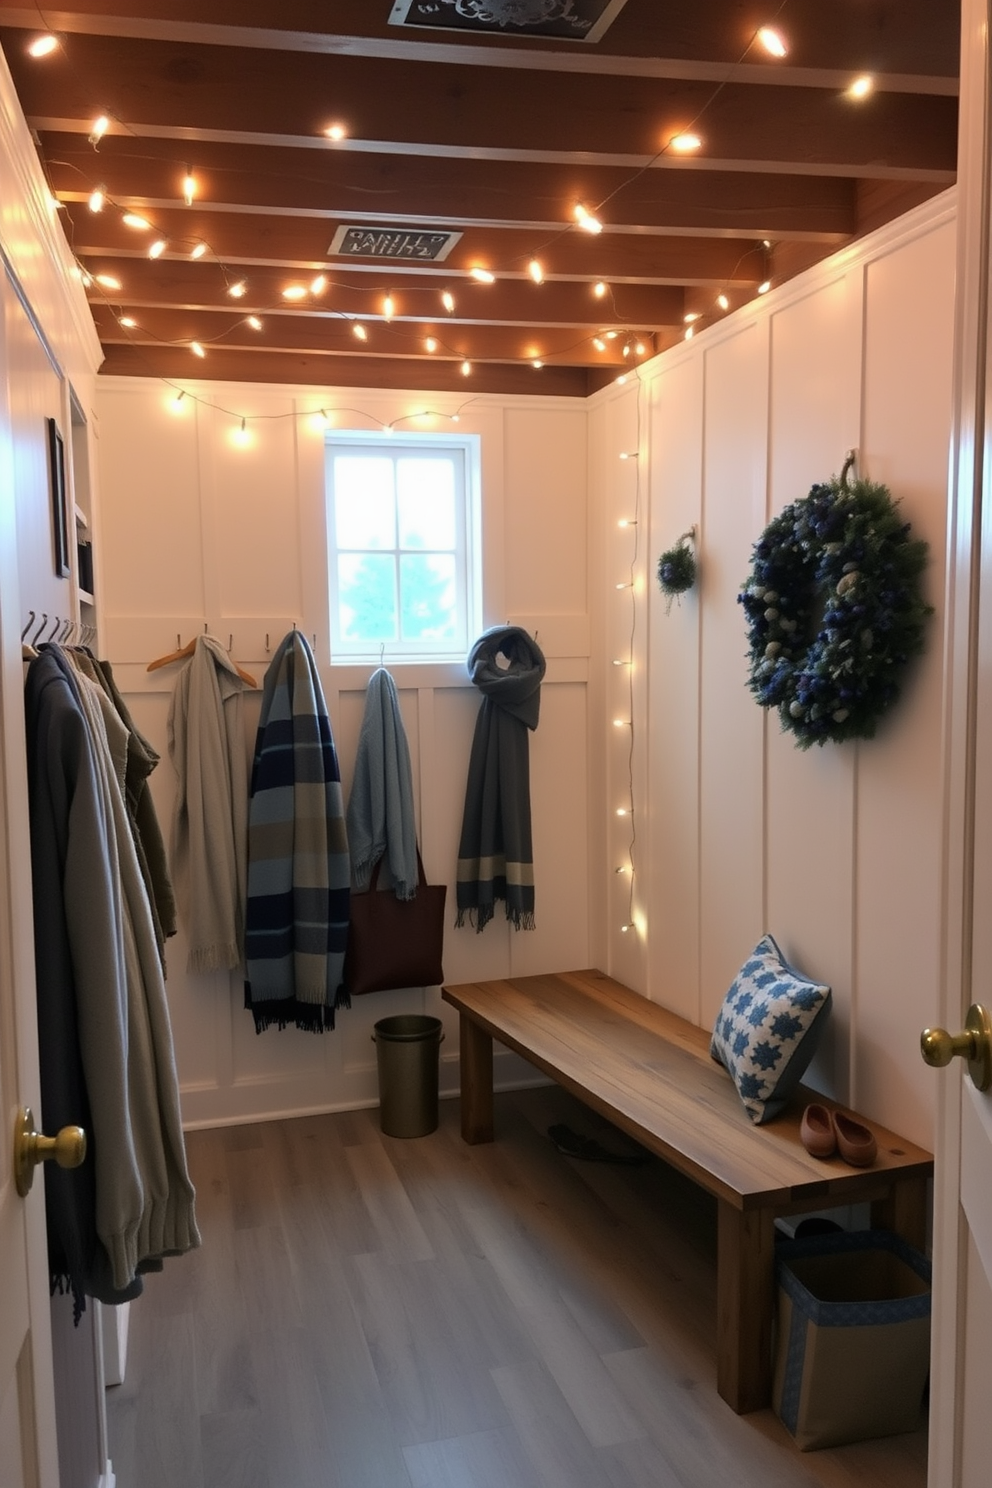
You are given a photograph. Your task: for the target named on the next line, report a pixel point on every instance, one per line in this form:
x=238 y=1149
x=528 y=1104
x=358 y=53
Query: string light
x=599 y=343
x=482 y=275
x=466 y=369
x=599 y=289
x=336 y=132
x=99 y=129
x=176 y=404
x=626 y=812
x=627 y=522
x=690 y=331
x=198 y=251
x=157 y=248
x=237 y=291
x=197 y=349
x=772 y=41
x=685 y=144
x=448 y=301
x=537 y=363
x=861 y=87
x=690 y=316
x=254 y=322
x=535 y=271
x=127 y=321
x=98 y=197
x=723 y=302
x=108 y=281
x=430 y=344
x=43 y=46
x=360 y=331
x=241 y=436
x=140 y=224
x=765 y=286
x=294 y=292
x=189 y=187
x=586 y=220
x=388 y=307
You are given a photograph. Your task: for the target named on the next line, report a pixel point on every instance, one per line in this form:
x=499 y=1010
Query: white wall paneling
x=836 y=851
x=199 y=530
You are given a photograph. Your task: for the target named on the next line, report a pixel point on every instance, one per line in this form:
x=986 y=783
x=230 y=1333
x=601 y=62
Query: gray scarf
x=495 y=857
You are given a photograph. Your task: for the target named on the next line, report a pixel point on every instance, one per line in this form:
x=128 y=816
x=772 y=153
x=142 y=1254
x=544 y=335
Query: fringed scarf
x=495 y=857
x=298 y=866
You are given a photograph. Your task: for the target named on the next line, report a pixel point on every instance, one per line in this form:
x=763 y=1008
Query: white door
x=28 y=1452
x=961 y=1421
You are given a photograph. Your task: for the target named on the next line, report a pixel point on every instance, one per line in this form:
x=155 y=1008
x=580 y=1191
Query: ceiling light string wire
x=324 y=410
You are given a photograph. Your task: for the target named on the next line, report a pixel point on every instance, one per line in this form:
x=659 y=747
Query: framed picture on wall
x=60 y=517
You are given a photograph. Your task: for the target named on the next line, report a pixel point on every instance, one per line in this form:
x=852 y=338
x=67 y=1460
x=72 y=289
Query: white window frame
x=468 y=551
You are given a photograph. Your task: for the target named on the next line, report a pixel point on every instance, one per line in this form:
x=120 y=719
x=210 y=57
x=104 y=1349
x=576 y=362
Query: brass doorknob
x=939 y=1047
x=30 y=1148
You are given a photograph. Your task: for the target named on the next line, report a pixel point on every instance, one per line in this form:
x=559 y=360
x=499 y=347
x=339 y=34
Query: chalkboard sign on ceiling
x=569 y=20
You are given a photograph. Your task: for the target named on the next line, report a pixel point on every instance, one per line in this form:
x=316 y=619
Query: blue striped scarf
x=296 y=923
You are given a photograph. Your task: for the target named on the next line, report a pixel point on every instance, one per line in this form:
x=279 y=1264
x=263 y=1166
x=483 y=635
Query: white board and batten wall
x=836 y=850
x=196 y=530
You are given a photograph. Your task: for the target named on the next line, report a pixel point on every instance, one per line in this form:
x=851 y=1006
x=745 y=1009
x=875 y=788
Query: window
x=402 y=546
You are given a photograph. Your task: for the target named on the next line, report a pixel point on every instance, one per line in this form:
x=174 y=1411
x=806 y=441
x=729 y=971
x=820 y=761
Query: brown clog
x=816 y=1131
x=855 y=1141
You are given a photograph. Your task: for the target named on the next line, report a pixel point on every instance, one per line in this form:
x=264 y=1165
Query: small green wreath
x=677 y=569
x=834 y=610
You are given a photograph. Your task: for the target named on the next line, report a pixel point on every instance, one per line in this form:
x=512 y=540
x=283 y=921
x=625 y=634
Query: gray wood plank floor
x=376 y=1313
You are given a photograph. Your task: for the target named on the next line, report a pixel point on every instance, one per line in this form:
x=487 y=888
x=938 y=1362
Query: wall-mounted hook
x=267 y=647
x=44 y=622
x=29 y=624
x=66 y=631
x=55 y=628
x=230 y=641
x=382 y=652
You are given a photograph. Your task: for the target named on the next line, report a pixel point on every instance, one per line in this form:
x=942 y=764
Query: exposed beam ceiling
x=490 y=135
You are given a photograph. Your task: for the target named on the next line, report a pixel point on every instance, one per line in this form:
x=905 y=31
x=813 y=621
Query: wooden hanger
x=181 y=653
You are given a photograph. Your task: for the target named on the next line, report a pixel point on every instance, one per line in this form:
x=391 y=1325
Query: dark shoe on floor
x=589 y=1150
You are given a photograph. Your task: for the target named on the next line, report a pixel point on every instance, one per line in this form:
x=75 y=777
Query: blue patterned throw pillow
x=768 y=1028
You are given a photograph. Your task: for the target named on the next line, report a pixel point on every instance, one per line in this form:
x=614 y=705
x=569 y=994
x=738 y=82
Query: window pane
x=428 y=597
x=426 y=498
x=367 y=597
x=364 y=505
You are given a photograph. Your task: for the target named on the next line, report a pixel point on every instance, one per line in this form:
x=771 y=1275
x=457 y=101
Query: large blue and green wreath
x=834 y=610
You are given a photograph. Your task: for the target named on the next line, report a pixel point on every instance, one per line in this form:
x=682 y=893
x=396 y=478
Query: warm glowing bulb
x=466 y=369
x=100 y=127
x=318 y=285
x=621 y=379
x=199 y=250
x=294 y=292
x=690 y=331
x=197 y=349
x=430 y=343
x=621 y=723
x=611 y=335
x=189 y=188
x=628 y=455
x=448 y=301
x=97 y=198
x=723 y=302
x=599 y=289
x=127 y=321
x=621 y=869
x=586 y=220
x=685 y=144
x=388 y=307
x=237 y=291
x=360 y=332
x=176 y=403
x=535 y=271
x=639 y=348
x=482 y=275
x=241 y=436
x=626 y=522
x=131 y=219
x=764 y=287
x=690 y=316
x=537 y=362
x=108 y=281
x=621 y=811
x=254 y=322
x=772 y=41
x=861 y=87
x=336 y=132
x=599 y=343
x=157 y=248
x=42 y=46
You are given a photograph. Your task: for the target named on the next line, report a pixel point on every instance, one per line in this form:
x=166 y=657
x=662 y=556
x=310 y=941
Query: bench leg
x=476 y=1061
x=904 y=1211
x=745 y=1286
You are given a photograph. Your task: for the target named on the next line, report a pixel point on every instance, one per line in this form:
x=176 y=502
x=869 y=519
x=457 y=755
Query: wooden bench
x=650 y=1073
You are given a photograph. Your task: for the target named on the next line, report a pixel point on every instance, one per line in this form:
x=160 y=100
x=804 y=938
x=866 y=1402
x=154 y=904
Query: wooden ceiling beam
x=681 y=38
x=380 y=188
x=197 y=89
